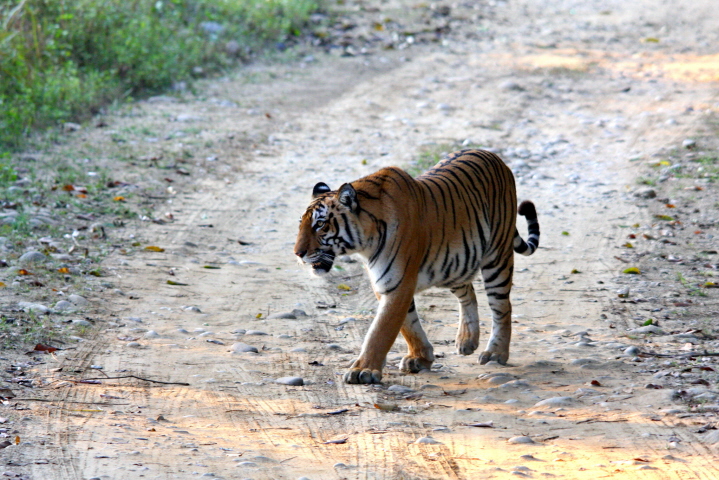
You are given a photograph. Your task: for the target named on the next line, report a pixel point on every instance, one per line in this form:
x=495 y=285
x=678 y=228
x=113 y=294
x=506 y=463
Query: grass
x=63 y=60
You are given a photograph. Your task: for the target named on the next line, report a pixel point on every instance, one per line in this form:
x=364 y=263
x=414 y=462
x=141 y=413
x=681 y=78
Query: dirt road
x=575 y=96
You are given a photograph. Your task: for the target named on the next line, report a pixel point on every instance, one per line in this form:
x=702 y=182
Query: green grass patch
x=63 y=60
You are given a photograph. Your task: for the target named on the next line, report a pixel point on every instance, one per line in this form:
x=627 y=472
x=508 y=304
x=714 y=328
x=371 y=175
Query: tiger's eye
x=319 y=224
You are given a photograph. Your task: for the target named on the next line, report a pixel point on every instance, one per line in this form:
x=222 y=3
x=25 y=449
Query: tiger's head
x=328 y=227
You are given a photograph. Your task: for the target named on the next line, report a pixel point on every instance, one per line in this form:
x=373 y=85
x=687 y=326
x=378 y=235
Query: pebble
x=583 y=361
x=133 y=345
x=192 y=308
x=247 y=464
x=29 y=307
x=500 y=379
x=333 y=346
x=399 y=389
x=645 y=193
x=78 y=322
x=292 y=381
x=255 y=332
x=243 y=348
x=347 y=320
x=427 y=441
x=182 y=330
x=239 y=331
x=77 y=300
x=555 y=401
x=151 y=334
x=32 y=257
x=689 y=143
x=63 y=305
x=633 y=351
x=262 y=459
x=283 y=315
x=511 y=85
x=648 y=329
x=521 y=440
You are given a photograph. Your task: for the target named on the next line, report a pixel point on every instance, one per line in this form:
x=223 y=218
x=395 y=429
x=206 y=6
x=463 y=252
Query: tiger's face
x=328 y=227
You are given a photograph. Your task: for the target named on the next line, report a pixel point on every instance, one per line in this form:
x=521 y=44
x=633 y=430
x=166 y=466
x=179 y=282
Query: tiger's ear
x=348 y=197
x=319 y=189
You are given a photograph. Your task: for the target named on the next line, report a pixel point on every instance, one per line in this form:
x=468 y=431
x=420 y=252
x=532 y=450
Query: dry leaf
x=63 y=270
x=172 y=282
x=22 y=271
x=153 y=248
x=386 y=407
x=632 y=271
x=2 y=285
x=44 y=348
x=119 y=198
x=344 y=287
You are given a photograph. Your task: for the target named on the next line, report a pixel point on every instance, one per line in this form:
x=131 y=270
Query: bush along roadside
x=62 y=60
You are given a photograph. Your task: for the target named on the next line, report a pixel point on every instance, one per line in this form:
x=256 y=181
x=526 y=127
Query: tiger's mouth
x=325 y=262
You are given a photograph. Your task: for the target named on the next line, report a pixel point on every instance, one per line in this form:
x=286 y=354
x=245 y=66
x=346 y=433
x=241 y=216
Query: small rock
x=633 y=351
x=689 y=143
x=646 y=192
x=133 y=345
x=32 y=257
x=255 y=332
x=30 y=307
x=78 y=322
x=500 y=379
x=511 y=85
x=399 y=389
x=63 y=305
x=239 y=331
x=247 y=464
x=521 y=440
x=77 y=300
x=555 y=401
x=299 y=350
x=243 y=348
x=583 y=361
x=427 y=441
x=648 y=329
x=284 y=315
x=192 y=308
x=333 y=346
x=347 y=320
x=292 y=381
x=151 y=334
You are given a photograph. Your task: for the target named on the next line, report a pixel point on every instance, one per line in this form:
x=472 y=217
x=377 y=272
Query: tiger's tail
x=527 y=210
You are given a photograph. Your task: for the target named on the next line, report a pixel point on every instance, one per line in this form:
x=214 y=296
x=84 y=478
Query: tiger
x=437 y=230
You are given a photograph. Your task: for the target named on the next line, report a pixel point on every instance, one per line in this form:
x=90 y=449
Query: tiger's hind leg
x=497 y=284
x=467 y=339
x=421 y=353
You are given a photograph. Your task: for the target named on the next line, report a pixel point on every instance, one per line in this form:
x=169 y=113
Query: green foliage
x=64 y=59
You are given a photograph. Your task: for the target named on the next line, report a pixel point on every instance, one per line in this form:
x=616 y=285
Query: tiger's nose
x=300 y=253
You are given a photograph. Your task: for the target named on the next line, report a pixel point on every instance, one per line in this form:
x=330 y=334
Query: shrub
x=63 y=59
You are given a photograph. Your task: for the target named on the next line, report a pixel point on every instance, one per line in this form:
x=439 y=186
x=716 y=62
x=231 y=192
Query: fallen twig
x=679 y=355
x=133 y=376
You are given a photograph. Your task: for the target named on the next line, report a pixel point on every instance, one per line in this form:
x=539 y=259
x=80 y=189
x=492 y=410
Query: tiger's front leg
x=380 y=337
x=421 y=354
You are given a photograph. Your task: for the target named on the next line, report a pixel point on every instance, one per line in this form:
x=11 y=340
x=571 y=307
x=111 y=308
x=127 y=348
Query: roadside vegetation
x=62 y=60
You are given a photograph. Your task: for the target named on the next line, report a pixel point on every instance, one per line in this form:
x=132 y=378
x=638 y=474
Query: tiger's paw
x=487 y=356
x=466 y=346
x=411 y=364
x=363 y=376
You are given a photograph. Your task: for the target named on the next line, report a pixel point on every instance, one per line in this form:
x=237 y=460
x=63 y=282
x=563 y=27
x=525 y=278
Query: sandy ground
x=571 y=94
